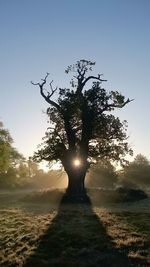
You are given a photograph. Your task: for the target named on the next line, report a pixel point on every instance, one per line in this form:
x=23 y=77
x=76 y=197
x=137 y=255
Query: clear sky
x=39 y=36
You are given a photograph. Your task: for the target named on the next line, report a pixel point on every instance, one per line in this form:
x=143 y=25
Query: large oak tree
x=82 y=125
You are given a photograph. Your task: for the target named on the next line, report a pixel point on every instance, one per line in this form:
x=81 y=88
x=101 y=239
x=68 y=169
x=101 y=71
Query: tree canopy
x=8 y=154
x=82 y=124
x=81 y=120
x=18 y=172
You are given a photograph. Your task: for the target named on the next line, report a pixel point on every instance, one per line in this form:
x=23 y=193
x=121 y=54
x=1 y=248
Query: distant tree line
x=134 y=174
x=18 y=172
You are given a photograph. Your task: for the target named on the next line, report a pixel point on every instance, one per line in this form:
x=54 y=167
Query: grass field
x=45 y=234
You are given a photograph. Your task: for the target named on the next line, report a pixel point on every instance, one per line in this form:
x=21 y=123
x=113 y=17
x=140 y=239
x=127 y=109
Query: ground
x=37 y=233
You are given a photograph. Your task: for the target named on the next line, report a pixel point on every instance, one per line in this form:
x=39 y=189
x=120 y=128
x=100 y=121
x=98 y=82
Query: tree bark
x=76 y=183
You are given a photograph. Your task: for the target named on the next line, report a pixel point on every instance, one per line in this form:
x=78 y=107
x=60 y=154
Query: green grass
x=46 y=235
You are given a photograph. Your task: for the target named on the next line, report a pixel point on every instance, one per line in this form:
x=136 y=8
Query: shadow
x=76 y=237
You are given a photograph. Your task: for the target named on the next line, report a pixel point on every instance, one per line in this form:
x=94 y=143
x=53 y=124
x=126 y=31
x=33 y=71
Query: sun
x=77 y=162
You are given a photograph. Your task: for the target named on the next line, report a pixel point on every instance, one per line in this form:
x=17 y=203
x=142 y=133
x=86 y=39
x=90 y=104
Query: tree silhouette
x=82 y=128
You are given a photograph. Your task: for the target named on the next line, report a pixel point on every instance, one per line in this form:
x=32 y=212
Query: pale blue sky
x=39 y=36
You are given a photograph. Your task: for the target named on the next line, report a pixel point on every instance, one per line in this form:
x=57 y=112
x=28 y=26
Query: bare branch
x=51 y=85
x=94 y=78
x=116 y=105
x=69 y=132
x=49 y=95
x=82 y=83
x=81 y=74
x=44 y=81
x=52 y=90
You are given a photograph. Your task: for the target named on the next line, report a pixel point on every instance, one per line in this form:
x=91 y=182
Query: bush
x=130 y=194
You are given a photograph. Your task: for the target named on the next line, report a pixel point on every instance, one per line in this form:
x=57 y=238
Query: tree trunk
x=76 y=188
x=76 y=176
x=76 y=183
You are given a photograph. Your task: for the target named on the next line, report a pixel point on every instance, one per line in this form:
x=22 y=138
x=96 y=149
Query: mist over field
x=38 y=227
x=37 y=230
x=74 y=133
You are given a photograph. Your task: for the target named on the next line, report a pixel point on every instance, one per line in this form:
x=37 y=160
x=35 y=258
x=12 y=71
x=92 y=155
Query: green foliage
x=13 y=169
x=81 y=121
x=137 y=172
x=9 y=156
x=5 y=149
x=102 y=174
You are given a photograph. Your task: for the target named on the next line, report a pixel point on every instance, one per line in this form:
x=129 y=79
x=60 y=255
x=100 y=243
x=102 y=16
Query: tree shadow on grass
x=76 y=237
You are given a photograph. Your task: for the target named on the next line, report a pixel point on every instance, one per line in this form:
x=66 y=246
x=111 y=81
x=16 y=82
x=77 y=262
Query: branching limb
x=82 y=81
x=94 y=78
x=69 y=132
x=47 y=96
x=113 y=105
x=52 y=90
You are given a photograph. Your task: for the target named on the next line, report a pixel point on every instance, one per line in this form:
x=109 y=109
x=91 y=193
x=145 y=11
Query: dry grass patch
x=130 y=233
x=20 y=233
x=39 y=235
